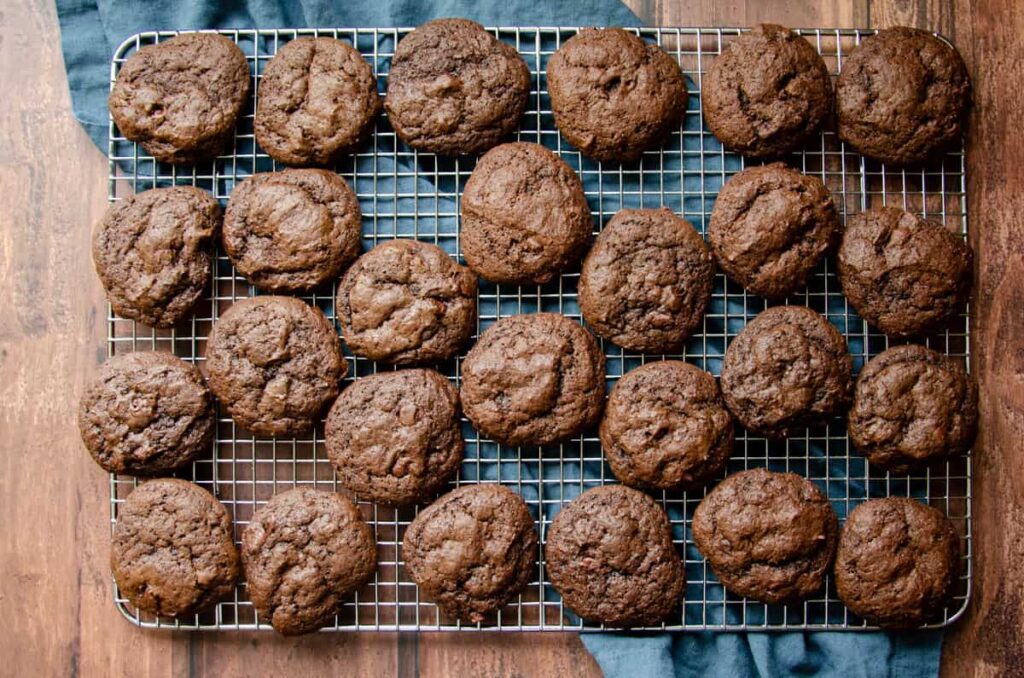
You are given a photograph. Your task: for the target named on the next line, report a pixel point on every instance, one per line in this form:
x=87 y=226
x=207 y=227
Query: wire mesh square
x=407 y=194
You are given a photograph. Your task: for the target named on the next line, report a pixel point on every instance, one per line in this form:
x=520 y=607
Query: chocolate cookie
x=767 y=536
x=902 y=96
x=525 y=217
x=647 y=281
x=407 y=302
x=767 y=93
x=614 y=95
x=666 y=427
x=293 y=230
x=304 y=552
x=318 y=101
x=472 y=550
x=533 y=380
x=770 y=227
x=898 y=560
x=788 y=368
x=395 y=437
x=903 y=274
x=912 y=406
x=171 y=551
x=455 y=88
x=181 y=98
x=152 y=253
x=146 y=414
x=274 y=363
x=609 y=553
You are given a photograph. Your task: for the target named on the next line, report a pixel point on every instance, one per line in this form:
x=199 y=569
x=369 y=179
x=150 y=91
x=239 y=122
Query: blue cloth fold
x=92 y=29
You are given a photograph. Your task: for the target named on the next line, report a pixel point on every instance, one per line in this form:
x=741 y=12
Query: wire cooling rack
x=407 y=194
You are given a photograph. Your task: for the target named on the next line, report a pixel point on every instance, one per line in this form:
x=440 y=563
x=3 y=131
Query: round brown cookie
x=788 y=368
x=304 y=552
x=770 y=227
x=767 y=93
x=171 y=551
x=903 y=274
x=614 y=95
x=318 y=101
x=292 y=230
x=146 y=414
x=395 y=437
x=897 y=562
x=274 y=363
x=647 y=281
x=152 y=253
x=525 y=217
x=666 y=427
x=902 y=96
x=455 y=88
x=181 y=98
x=767 y=536
x=609 y=553
x=472 y=550
x=533 y=380
x=912 y=406
x=407 y=302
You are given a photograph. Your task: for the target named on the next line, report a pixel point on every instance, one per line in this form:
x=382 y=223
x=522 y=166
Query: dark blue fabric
x=92 y=29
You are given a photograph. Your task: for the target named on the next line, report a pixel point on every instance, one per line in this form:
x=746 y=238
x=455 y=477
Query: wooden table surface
x=55 y=598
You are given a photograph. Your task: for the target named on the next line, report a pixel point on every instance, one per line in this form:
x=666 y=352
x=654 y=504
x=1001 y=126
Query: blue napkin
x=91 y=30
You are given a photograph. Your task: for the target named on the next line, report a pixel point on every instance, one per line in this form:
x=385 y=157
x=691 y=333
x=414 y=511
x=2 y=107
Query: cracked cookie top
x=146 y=413
x=317 y=101
x=647 y=281
x=293 y=230
x=766 y=93
x=609 y=553
x=152 y=252
x=304 y=552
x=274 y=363
x=912 y=406
x=472 y=550
x=525 y=218
x=903 y=274
x=614 y=95
x=897 y=562
x=666 y=427
x=454 y=88
x=395 y=437
x=171 y=551
x=407 y=302
x=902 y=96
x=770 y=228
x=768 y=536
x=533 y=379
x=788 y=368
x=181 y=98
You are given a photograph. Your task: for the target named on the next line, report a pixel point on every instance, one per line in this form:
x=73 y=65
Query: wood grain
x=55 y=593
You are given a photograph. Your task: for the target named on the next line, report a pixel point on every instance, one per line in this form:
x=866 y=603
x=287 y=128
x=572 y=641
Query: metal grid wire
x=404 y=193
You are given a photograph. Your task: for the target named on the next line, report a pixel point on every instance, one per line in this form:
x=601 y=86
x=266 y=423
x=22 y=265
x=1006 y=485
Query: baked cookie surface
x=472 y=550
x=768 y=536
x=609 y=553
x=293 y=230
x=454 y=88
x=153 y=253
x=533 y=379
x=171 y=550
x=615 y=95
x=902 y=96
x=180 y=99
x=318 y=101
